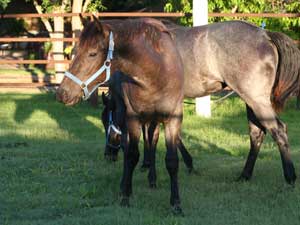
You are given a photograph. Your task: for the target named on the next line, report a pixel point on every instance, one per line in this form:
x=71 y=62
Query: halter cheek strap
x=111 y=126
x=105 y=67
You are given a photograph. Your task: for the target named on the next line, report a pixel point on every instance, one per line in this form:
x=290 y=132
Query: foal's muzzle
x=114 y=133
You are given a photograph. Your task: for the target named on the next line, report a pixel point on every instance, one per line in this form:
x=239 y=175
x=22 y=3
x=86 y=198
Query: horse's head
x=112 y=130
x=92 y=58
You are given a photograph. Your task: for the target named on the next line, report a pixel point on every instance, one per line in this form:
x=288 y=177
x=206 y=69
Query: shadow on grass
x=230 y=116
x=63 y=115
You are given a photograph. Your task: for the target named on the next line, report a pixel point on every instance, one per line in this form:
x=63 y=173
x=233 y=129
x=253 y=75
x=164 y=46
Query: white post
x=200 y=17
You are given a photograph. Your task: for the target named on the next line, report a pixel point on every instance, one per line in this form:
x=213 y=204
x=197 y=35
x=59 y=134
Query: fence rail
x=113 y=14
x=104 y=14
x=32 y=61
x=37 y=39
x=148 y=14
x=265 y=15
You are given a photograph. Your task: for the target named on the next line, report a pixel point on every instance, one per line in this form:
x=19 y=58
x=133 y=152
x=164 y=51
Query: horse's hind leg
x=131 y=158
x=267 y=117
x=187 y=158
x=172 y=128
x=257 y=133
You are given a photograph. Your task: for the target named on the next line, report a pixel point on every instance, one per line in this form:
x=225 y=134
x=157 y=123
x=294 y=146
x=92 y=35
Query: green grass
x=22 y=71
x=60 y=177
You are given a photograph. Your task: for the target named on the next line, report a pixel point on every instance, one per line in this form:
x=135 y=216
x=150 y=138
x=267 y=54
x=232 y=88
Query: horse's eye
x=93 y=54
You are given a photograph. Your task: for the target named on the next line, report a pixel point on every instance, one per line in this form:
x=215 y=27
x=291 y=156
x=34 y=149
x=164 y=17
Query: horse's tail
x=288 y=70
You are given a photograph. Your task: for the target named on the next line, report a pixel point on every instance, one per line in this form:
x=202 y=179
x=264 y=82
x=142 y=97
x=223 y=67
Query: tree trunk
x=76 y=23
x=58 y=48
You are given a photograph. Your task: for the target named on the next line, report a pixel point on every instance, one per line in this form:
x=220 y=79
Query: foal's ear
x=104 y=99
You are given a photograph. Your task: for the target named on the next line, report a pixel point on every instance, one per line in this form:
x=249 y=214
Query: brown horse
x=262 y=67
x=152 y=90
x=112 y=119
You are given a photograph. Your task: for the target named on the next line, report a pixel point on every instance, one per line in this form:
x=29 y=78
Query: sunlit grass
x=60 y=176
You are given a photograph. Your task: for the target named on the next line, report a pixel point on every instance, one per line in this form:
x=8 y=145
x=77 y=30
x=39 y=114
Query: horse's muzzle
x=64 y=97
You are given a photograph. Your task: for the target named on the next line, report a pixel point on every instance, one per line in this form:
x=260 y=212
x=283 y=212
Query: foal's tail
x=287 y=78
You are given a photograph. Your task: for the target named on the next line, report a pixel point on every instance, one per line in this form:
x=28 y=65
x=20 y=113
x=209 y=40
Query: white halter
x=106 y=66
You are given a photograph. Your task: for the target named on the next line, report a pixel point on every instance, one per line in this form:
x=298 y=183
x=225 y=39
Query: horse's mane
x=127 y=30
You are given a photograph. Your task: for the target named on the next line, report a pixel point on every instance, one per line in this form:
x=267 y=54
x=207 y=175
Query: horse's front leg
x=172 y=128
x=146 y=161
x=131 y=157
x=153 y=134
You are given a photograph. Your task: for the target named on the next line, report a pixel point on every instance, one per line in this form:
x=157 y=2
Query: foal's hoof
x=176 y=210
x=108 y=158
x=152 y=185
x=144 y=167
x=125 y=202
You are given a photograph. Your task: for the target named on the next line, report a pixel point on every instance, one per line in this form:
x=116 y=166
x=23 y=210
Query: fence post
x=58 y=48
x=200 y=17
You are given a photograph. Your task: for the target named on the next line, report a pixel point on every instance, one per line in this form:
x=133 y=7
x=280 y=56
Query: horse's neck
x=133 y=61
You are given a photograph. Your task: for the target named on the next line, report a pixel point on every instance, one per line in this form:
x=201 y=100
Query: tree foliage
x=3 y=5
x=180 y=6
x=288 y=25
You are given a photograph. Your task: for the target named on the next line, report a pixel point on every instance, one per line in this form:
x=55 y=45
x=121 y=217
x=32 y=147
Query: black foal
x=113 y=118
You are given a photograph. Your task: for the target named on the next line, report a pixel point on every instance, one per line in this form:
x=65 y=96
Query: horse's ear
x=83 y=21
x=104 y=99
x=103 y=28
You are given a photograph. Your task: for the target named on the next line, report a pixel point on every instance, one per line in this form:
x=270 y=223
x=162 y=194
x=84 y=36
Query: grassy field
x=52 y=169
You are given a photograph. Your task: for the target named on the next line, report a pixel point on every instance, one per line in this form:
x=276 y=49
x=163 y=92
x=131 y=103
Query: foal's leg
x=172 y=128
x=146 y=160
x=153 y=134
x=267 y=117
x=131 y=158
x=257 y=133
x=187 y=158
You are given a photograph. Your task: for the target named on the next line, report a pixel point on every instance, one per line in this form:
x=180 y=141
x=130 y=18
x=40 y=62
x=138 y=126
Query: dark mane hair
x=126 y=30
x=90 y=35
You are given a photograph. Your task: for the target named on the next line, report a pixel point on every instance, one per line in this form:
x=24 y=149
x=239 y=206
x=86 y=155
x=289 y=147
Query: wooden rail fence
x=104 y=15
x=112 y=14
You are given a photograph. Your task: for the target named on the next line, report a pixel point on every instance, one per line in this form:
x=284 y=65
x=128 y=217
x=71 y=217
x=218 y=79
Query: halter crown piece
x=106 y=66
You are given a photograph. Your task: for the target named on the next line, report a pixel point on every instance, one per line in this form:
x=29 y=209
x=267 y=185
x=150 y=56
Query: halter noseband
x=106 y=66
x=111 y=126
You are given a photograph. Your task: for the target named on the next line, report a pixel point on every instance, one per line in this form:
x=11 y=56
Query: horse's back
x=223 y=54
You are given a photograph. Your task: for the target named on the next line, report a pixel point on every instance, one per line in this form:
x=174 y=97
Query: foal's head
x=91 y=53
x=112 y=129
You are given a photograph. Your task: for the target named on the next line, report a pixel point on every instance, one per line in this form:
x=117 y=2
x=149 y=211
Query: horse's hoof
x=124 y=202
x=291 y=179
x=243 y=178
x=190 y=170
x=289 y=174
x=152 y=185
x=176 y=210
